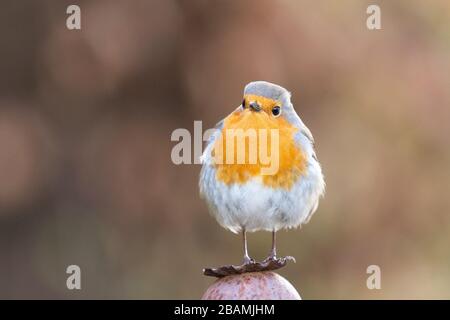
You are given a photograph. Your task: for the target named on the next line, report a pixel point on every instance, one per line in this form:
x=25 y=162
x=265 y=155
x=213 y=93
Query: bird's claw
x=248 y=260
x=270 y=258
x=273 y=260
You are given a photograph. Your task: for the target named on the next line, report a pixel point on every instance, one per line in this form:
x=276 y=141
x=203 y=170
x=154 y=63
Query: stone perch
x=266 y=285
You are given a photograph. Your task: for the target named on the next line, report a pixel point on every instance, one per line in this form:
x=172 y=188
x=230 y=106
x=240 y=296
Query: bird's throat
x=250 y=143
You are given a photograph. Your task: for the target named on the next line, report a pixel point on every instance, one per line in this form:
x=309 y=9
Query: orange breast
x=291 y=159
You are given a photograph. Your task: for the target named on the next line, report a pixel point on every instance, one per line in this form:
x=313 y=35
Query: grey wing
x=305 y=140
x=217 y=129
x=205 y=159
x=208 y=170
x=307 y=133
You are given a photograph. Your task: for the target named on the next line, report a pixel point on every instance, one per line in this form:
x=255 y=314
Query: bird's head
x=265 y=101
x=263 y=125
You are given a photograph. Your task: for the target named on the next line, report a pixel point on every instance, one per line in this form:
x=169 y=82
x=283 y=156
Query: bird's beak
x=255 y=106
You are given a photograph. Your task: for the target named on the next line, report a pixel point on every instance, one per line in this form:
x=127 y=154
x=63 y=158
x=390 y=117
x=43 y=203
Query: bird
x=240 y=195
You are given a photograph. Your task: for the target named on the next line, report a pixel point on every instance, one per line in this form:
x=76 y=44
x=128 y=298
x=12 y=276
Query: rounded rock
x=252 y=286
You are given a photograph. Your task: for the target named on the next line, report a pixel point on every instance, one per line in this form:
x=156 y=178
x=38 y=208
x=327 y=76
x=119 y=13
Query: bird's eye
x=243 y=104
x=276 y=111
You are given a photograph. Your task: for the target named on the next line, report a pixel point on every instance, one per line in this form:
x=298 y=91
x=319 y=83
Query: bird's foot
x=247 y=261
x=272 y=259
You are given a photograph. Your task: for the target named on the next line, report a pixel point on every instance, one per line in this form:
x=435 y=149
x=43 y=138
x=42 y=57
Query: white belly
x=253 y=206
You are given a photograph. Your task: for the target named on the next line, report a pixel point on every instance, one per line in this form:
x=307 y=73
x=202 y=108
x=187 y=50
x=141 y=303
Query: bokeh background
x=86 y=117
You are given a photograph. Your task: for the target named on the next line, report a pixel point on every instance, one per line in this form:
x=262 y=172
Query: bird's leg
x=247 y=258
x=273 y=251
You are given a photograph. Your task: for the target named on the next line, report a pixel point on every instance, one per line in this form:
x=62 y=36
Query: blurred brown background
x=86 y=118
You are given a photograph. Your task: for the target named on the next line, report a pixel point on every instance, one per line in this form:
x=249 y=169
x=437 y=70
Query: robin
x=242 y=194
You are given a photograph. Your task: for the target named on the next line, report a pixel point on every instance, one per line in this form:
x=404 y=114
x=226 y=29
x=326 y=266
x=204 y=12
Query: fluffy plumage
x=238 y=195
